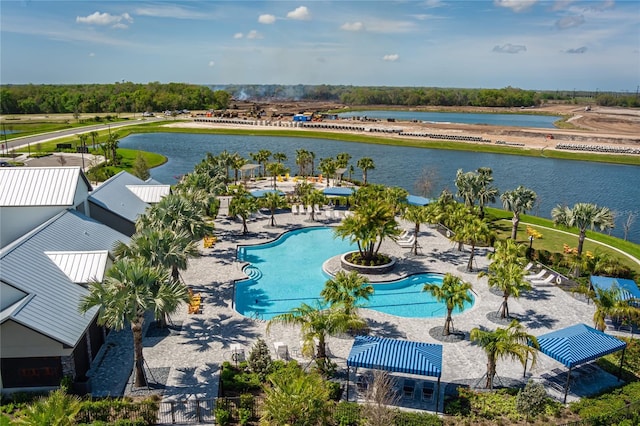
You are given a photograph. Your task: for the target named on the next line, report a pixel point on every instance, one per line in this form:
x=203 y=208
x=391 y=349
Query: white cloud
x=510 y=48
x=515 y=5
x=91 y=55
x=211 y=63
x=390 y=27
x=352 y=26
x=434 y=3
x=300 y=13
x=253 y=34
x=170 y=11
x=266 y=19
x=579 y=50
x=569 y=22
x=97 y=18
x=238 y=35
x=391 y=58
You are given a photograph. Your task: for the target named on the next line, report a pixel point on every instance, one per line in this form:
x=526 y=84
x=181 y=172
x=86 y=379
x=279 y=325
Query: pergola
x=338 y=191
x=251 y=168
x=578 y=344
x=399 y=356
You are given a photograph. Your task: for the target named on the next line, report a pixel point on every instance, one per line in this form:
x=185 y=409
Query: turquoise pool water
x=288 y=271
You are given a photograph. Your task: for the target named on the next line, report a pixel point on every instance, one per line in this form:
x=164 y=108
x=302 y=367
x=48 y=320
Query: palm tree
x=113 y=140
x=507 y=252
x=454 y=293
x=57 y=409
x=507 y=277
x=512 y=342
x=583 y=216
x=273 y=201
x=328 y=167
x=485 y=192
x=303 y=158
x=316 y=323
x=94 y=136
x=609 y=302
x=275 y=170
x=130 y=288
x=237 y=162
x=176 y=212
x=345 y=290
x=163 y=248
x=474 y=231
x=262 y=157
x=312 y=198
x=518 y=202
x=279 y=157
x=365 y=164
x=342 y=159
x=416 y=215
x=243 y=206
x=467 y=187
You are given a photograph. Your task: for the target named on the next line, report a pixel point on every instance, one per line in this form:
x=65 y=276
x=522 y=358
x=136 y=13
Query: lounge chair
x=294 y=209
x=547 y=280
x=362 y=383
x=310 y=209
x=337 y=214
x=407 y=243
x=406 y=238
x=535 y=276
x=408 y=388
x=427 y=391
x=301 y=209
x=529 y=266
x=404 y=234
x=282 y=350
x=316 y=209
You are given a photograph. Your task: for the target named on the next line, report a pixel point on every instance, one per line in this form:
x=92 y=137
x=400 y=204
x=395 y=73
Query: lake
x=555 y=181
x=515 y=120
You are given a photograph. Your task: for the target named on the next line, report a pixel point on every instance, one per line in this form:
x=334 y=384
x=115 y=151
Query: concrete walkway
x=187 y=357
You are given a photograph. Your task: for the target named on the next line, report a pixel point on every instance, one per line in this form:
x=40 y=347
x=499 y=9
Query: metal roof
x=81 y=267
x=339 y=191
x=628 y=288
x=578 y=344
x=150 y=193
x=400 y=356
x=114 y=196
x=262 y=192
x=23 y=186
x=52 y=307
x=416 y=200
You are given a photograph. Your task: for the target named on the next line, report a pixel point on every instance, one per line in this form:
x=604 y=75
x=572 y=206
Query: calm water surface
x=555 y=181
x=515 y=120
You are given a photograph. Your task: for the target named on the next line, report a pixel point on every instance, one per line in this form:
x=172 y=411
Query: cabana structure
x=628 y=288
x=416 y=200
x=398 y=356
x=338 y=191
x=259 y=193
x=249 y=168
x=578 y=344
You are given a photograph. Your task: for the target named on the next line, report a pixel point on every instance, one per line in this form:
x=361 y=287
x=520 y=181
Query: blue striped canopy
x=262 y=192
x=416 y=200
x=578 y=344
x=400 y=356
x=628 y=288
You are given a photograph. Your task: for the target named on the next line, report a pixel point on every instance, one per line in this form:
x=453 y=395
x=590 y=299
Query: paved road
x=44 y=137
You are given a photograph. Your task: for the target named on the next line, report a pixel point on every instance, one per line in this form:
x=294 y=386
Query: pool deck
x=188 y=356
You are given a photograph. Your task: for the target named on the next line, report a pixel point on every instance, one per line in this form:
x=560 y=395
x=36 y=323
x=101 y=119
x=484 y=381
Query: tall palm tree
x=485 y=192
x=312 y=198
x=273 y=201
x=178 y=213
x=512 y=342
x=346 y=290
x=237 y=162
x=303 y=158
x=279 y=157
x=518 y=202
x=316 y=323
x=474 y=231
x=507 y=277
x=467 y=187
x=454 y=293
x=130 y=288
x=163 y=248
x=94 y=136
x=328 y=167
x=342 y=159
x=583 y=216
x=275 y=170
x=365 y=164
x=417 y=215
x=113 y=140
x=243 y=206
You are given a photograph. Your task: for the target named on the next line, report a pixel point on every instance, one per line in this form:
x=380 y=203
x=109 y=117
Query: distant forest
x=133 y=97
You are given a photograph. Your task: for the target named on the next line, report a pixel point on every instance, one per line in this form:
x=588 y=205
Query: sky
x=530 y=44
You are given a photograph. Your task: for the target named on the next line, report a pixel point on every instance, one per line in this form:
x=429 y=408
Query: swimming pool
x=287 y=272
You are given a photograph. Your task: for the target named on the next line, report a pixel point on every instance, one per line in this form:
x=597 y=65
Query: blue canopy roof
x=339 y=191
x=262 y=192
x=416 y=200
x=578 y=344
x=401 y=356
x=628 y=288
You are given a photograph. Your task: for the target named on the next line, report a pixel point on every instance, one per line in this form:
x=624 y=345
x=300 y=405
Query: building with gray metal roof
x=44 y=336
x=26 y=202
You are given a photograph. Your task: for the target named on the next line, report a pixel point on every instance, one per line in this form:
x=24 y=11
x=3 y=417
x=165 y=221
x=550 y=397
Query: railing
x=187 y=412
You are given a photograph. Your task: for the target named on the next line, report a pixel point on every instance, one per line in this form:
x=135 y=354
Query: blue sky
x=531 y=44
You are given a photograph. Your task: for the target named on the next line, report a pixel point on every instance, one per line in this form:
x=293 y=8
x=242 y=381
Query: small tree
x=380 y=396
x=57 y=409
x=531 y=400
x=260 y=359
x=141 y=167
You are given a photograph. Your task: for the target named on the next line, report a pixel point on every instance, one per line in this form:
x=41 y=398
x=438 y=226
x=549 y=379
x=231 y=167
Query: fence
x=187 y=412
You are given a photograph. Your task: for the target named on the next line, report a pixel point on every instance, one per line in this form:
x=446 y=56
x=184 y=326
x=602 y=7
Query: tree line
x=102 y=98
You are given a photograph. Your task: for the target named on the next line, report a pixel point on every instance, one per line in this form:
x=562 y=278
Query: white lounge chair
x=294 y=209
x=407 y=237
x=535 y=276
x=407 y=243
x=310 y=209
x=403 y=235
x=316 y=209
x=547 y=280
x=529 y=266
x=282 y=350
x=301 y=209
x=337 y=214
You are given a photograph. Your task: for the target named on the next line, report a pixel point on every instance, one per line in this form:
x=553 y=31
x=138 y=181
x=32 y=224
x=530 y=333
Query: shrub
x=417 y=419
x=335 y=390
x=531 y=400
x=260 y=359
x=223 y=416
x=347 y=414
